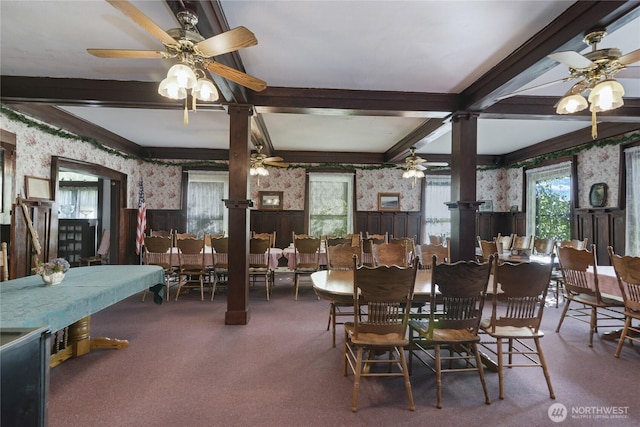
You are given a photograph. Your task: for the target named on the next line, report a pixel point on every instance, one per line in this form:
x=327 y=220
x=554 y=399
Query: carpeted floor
x=185 y=368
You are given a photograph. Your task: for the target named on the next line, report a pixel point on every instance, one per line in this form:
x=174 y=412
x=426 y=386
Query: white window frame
x=632 y=201
x=542 y=174
x=348 y=178
x=210 y=176
x=430 y=206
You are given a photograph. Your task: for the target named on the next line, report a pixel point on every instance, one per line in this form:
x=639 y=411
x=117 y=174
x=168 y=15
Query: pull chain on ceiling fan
x=194 y=53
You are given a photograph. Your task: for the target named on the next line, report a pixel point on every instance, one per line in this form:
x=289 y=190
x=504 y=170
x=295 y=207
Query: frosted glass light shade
x=184 y=75
x=170 y=88
x=606 y=96
x=205 y=90
x=571 y=104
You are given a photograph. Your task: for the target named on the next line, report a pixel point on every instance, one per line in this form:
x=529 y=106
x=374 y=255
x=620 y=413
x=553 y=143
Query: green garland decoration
x=43 y=127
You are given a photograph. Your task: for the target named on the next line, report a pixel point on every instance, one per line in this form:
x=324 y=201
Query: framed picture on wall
x=37 y=188
x=388 y=201
x=598 y=195
x=270 y=200
x=486 y=206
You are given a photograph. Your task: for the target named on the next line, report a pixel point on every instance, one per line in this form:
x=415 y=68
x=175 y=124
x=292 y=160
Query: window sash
x=542 y=174
x=330 y=203
x=632 y=238
x=437 y=217
x=206 y=212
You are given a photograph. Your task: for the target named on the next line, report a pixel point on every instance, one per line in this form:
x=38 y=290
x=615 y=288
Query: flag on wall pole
x=142 y=219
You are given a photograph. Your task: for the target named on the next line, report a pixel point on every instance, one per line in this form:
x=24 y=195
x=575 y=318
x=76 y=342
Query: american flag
x=142 y=219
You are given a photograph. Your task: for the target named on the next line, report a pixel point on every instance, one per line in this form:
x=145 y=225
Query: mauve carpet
x=185 y=368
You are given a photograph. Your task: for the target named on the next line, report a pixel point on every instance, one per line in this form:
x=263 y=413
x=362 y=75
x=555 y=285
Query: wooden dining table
x=337 y=285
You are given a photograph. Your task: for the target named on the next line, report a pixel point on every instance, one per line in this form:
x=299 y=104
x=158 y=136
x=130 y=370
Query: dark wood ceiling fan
x=187 y=45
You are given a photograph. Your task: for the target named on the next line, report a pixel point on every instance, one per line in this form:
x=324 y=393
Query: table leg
x=80 y=342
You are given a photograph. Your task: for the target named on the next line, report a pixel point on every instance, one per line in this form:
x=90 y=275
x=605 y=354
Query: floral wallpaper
x=163 y=187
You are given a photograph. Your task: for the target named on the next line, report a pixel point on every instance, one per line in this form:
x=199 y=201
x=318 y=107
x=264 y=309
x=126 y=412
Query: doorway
x=90 y=196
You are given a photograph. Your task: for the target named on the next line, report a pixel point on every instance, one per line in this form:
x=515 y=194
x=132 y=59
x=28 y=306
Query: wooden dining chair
x=102 y=253
x=192 y=269
x=340 y=257
x=390 y=254
x=157 y=250
x=580 y=277
x=435 y=240
x=487 y=248
x=516 y=315
x=627 y=270
x=522 y=242
x=259 y=253
x=307 y=259
x=504 y=242
x=428 y=251
x=4 y=263
x=574 y=243
x=378 y=238
x=270 y=236
x=453 y=321
x=381 y=298
x=220 y=262
x=334 y=240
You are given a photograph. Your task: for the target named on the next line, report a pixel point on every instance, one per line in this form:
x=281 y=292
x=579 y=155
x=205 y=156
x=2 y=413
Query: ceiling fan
x=596 y=71
x=259 y=160
x=414 y=166
x=187 y=45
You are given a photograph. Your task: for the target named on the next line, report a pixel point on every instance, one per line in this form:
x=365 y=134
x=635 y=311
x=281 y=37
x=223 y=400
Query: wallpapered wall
x=163 y=188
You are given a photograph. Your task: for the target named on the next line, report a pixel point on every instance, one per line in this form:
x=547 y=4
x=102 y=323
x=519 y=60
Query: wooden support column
x=463 y=206
x=238 y=205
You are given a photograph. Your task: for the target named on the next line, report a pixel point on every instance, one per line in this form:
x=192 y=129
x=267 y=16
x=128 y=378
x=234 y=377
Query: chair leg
x=487 y=400
x=356 y=381
x=266 y=284
x=564 y=312
x=543 y=362
x=593 y=326
x=500 y=369
x=407 y=382
x=623 y=335
x=201 y=288
x=436 y=351
x=296 y=283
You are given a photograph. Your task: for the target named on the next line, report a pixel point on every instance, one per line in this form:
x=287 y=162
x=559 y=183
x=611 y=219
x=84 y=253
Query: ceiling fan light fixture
x=170 y=88
x=184 y=75
x=606 y=95
x=571 y=104
x=205 y=90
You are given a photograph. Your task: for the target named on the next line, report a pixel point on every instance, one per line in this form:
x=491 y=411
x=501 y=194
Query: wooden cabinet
x=76 y=239
x=603 y=227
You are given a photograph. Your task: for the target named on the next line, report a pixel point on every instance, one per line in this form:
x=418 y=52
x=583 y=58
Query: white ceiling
x=404 y=46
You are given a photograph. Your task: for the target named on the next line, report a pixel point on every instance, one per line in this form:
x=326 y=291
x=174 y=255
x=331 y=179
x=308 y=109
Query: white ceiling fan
x=414 y=166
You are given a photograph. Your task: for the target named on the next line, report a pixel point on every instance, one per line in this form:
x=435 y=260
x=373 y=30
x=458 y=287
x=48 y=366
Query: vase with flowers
x=52 y=272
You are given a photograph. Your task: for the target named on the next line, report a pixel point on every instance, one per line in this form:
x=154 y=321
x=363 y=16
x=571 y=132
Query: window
x=437 y=219
x=206 y=212
x=549 y=202
x=632 y=238
x=330 y=204
x=78 y=196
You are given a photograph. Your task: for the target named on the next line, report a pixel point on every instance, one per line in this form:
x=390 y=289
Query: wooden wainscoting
x=604 y=227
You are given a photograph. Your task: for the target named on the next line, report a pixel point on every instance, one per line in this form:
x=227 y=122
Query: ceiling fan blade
x=141 y=19
x=630 y=57
x=237 y=76
x=572 y=59
x=273 y=159
x=277 y=164
x=533 y=88
x=436 y=163
x=127 y=53
x=419 y=160
x=228 y=41
x=629 y=73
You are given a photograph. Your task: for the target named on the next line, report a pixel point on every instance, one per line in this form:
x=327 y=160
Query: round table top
x=337 y=285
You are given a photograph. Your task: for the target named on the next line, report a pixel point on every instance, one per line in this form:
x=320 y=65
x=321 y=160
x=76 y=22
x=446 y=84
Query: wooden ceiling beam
x=530 y=60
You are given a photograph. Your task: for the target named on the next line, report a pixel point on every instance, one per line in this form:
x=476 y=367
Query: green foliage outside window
x=553 y=210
